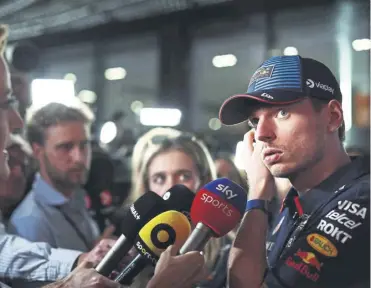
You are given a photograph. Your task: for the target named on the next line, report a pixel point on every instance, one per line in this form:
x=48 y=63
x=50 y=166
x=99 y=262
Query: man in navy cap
x=322 y=236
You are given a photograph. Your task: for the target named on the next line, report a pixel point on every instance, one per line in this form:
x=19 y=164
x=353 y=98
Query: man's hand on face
x=260 y=180
x=178 y=271
x=97 y=253
x=84 y=276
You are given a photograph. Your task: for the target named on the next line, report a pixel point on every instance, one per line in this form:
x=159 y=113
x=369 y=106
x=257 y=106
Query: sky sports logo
x=217 y=203
x=226 y=191
x=311 y=84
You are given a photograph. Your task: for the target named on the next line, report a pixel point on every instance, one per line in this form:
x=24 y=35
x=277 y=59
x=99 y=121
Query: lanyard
x=73 y=225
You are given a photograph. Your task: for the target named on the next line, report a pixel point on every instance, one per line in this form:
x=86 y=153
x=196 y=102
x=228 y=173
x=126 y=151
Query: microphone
x=140 y=212
x=216 y=210
x=168 y=228
x=179 y=198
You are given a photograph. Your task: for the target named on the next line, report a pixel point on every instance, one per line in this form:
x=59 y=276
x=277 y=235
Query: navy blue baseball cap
x=282 y=80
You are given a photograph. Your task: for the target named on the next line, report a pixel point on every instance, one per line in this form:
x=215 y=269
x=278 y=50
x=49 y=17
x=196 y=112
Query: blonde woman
x=164 y=157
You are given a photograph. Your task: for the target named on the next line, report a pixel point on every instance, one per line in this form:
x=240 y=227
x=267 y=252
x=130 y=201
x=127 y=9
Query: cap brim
x=237 y=108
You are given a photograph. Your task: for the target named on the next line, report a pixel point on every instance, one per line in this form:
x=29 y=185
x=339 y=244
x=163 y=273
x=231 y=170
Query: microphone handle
x=198 y=239
x=114 y=256
x=127 y=276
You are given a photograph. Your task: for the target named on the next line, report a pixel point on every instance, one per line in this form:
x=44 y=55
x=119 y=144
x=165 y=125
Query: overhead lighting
x=71 y=77
x=215 y=124
x=290 y=51
x=222 y=61
x=87 y=96
x=136 y=106
x=361 y=44
x=115 y=73
x=45 y=91
x=108 y=132
x=160 y=117
x=239 y=159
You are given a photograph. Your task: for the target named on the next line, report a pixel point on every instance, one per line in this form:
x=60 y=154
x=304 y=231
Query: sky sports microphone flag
x=217 y=208
x=168 y=228
x=139 y=214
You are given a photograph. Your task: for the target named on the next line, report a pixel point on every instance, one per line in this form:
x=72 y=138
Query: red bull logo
x=309 y=258
x=306 y=263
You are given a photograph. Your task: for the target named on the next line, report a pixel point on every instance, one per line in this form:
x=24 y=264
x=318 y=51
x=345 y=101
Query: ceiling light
x=136 y=106
x=71 y=77
x=116 y=73
x=45 y=91
x=160 y=117
x=361 y=44
x=290 y=51
x=215 y=124
x=108 y=132
x=87 y=96
x=222 y=61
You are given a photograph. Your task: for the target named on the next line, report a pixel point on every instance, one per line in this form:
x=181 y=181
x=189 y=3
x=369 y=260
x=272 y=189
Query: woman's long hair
x=137 y=161
x=159 y=140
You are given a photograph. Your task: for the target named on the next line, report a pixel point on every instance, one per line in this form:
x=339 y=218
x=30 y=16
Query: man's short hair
x=318 y=105
x=52 y=115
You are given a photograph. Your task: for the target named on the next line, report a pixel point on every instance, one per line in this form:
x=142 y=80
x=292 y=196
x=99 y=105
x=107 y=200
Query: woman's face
x=170 y=168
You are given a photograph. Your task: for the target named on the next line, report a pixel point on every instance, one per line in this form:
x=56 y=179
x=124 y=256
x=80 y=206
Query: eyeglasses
x=10 y=103
x=161 y=139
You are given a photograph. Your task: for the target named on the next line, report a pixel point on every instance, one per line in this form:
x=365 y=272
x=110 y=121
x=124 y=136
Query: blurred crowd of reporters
x=161 y=158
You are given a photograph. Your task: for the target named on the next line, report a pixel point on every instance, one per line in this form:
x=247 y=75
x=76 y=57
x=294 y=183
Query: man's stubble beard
x=60 y=179
x=306 y=163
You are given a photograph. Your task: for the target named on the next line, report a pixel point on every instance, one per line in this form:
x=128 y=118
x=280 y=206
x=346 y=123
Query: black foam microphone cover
x=140 y=212
x=179 y=198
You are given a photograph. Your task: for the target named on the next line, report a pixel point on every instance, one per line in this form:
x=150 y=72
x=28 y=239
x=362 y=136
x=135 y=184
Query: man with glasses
x=20 y=259
x=26 y=261
x=19 y=152
x=322 y=236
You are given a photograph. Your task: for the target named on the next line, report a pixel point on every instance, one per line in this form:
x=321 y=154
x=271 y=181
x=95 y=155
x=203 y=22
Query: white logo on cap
x=311 y=84
x=266 y=95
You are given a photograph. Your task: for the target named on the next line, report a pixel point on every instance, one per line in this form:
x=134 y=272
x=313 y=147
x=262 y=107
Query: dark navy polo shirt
x=322 y=238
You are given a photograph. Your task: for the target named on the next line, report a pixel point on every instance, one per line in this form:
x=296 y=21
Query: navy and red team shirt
x=322 y=238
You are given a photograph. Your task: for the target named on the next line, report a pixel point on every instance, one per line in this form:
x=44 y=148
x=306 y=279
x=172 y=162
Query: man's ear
x=335 y=115
x=37 y=150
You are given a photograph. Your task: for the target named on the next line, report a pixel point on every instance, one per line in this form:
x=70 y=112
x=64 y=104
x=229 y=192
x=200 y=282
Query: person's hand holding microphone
x=84 y=276
x=180 y=271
